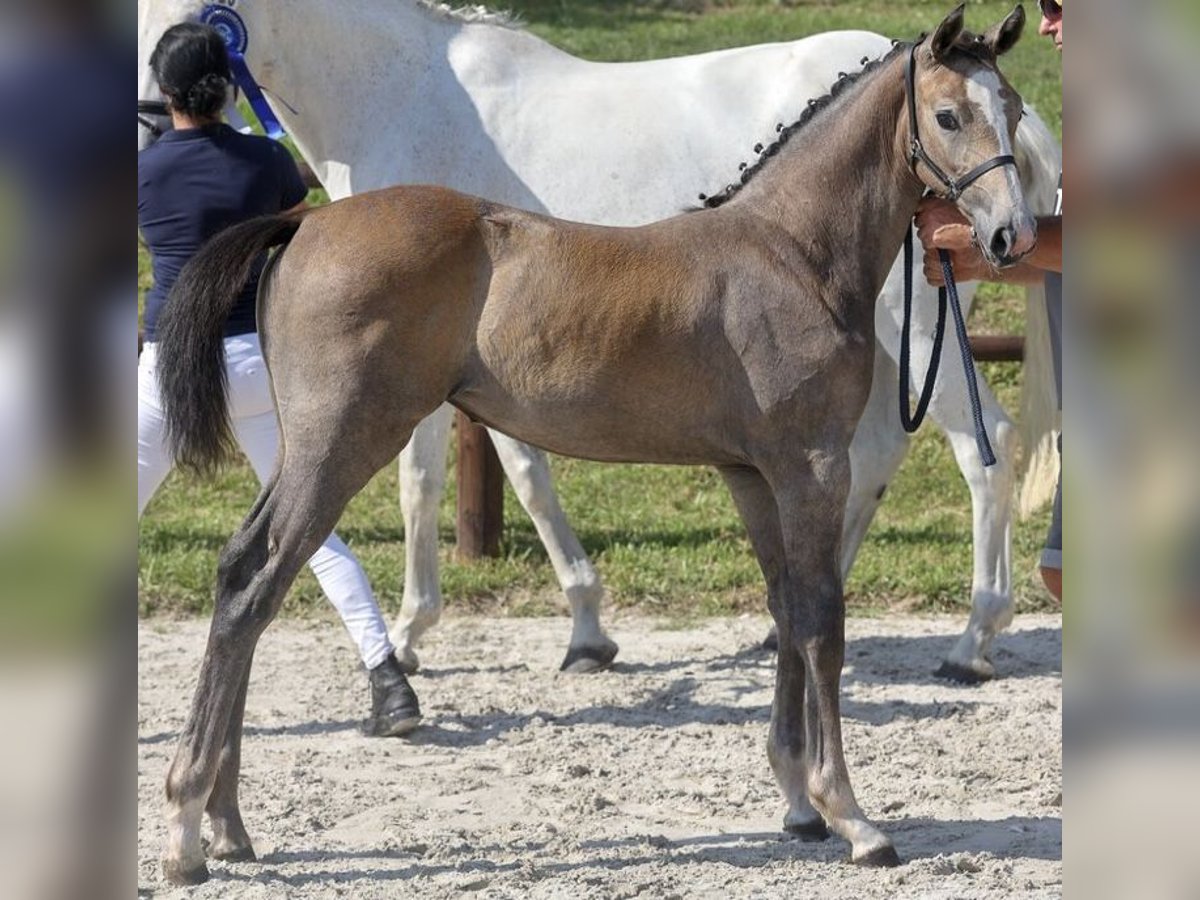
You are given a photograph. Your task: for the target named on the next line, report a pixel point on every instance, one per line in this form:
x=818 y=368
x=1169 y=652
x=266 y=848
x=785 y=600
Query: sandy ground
x=649 y=780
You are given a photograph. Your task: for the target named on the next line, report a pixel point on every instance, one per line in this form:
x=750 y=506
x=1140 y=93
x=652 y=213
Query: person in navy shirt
x=197 y=179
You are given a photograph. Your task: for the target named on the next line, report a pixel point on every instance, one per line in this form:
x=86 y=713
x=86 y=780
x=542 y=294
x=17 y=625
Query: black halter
x=911 y=420
x=954 y=187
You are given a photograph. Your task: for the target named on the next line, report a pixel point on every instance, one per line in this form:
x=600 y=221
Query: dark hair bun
x=192 y=68
x=207 y=96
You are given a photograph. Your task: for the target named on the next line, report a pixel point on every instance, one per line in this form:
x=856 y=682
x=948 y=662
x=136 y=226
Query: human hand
x=968 y=265
x=941 y=226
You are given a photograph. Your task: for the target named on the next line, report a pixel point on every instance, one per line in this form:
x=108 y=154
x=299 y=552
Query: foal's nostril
x=1002 y=243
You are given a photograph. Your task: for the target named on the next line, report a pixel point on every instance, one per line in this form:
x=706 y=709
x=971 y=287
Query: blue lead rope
x=912 y=420
x=231 y=27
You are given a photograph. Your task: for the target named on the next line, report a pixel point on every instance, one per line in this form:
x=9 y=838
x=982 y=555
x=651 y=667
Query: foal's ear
x=947 y=33
x=1001 y=37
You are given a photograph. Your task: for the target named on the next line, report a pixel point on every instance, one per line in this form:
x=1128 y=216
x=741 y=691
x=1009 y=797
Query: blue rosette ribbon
x=231 y=27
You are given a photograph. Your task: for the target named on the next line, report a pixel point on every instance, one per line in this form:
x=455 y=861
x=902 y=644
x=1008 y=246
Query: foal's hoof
x=771 y=641
x=175 y=873
x=234 y=854
x=881 y=857
x=953 y=671
x=809 y=832
x=581 y=660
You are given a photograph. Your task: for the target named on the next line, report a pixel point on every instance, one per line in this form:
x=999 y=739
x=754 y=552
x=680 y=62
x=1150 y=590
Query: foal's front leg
x=811 y=624
x=785 y=743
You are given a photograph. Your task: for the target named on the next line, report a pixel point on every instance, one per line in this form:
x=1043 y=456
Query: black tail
x=191 y=354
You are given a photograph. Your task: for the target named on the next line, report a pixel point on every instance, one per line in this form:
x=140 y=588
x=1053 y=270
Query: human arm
x=940 y=226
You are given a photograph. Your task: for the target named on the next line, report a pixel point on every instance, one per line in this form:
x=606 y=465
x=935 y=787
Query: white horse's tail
x=1039 y=157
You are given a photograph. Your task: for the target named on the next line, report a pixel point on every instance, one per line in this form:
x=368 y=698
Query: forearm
x=1047 y=252
x=1046 y=256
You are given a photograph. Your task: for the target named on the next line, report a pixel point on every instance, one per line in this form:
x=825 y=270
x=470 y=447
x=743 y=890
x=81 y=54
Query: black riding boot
x=394 y=706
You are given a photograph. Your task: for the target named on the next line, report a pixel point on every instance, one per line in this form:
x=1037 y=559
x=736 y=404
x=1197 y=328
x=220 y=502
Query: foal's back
x=657 y=343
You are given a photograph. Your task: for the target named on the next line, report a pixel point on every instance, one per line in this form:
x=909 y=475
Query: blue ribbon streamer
x=254 y=96
x=231 y=27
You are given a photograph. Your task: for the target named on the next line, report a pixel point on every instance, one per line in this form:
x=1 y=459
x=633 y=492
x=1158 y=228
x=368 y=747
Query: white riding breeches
x=252 y=414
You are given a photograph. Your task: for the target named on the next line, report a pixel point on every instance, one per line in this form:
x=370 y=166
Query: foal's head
x=966 y=117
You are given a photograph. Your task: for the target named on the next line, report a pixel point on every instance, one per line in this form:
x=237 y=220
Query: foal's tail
x=191 y=361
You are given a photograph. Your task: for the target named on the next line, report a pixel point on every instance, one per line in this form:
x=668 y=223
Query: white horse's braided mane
x=473 y=14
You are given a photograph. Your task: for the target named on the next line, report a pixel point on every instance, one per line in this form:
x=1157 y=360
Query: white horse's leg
x=422 y=483
x=991 y=509
x=991 y=488
x=879 y=446
x=529 y=473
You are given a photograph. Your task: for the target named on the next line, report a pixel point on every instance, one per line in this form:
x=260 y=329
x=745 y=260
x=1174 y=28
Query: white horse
x=380 y=92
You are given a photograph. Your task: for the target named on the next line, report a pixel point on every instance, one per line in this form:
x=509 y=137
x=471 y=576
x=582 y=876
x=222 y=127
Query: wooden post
x=998 y=347
x=480 y=492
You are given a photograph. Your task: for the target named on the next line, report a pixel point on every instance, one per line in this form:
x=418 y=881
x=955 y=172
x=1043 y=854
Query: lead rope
x=912 y=421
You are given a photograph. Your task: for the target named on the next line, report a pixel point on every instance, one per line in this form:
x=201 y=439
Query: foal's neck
x=842 y=188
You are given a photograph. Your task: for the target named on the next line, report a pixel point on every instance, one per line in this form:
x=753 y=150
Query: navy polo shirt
x=194 y=182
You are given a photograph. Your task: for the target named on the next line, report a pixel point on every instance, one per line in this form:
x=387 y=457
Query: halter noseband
x=954 y=187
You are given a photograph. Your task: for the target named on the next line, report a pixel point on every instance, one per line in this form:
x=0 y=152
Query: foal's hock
x=740 y=336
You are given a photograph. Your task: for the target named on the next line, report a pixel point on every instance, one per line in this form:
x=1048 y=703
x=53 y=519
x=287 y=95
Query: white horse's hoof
x=582 y=660
x=977 y=672
x=409 y=663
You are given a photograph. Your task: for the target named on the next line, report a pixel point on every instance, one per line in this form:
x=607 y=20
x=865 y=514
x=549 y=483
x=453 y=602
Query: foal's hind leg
x=296 y=513
x=230 y=841
x=785 y=743
x=256 y=568
x=529 y=473
x=811 y=499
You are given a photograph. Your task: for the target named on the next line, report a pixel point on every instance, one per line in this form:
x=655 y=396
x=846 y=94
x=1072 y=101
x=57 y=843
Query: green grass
x=666 y=540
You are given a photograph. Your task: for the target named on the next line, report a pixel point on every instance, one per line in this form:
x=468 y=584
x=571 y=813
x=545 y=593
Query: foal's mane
x=814 y=109
x=968 y=43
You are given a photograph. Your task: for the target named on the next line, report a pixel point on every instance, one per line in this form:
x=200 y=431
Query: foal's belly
x=613 y=416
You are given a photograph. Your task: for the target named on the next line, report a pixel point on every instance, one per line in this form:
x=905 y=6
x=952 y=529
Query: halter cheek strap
x=954 y=187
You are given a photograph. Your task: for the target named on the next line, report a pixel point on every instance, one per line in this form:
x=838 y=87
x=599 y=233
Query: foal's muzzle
x=1008 y=244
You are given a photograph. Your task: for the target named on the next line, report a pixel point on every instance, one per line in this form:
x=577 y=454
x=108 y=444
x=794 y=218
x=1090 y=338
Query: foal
x=740 y=336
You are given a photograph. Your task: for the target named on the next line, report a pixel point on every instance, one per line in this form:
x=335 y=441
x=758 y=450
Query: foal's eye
x=947 y=120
